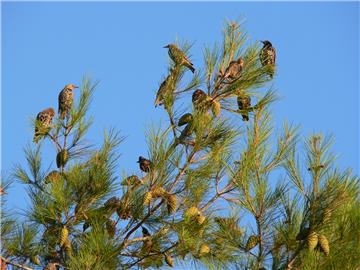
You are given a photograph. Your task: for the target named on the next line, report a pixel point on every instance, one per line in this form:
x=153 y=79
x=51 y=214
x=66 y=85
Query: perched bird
x=199 y=97
x=145 y=232
x=244 y=102
x=165 y=86
x=66 y=100
x=179 y=57
x=144 y=164
x=268 y=56
x=234 y=69
x=43 y=123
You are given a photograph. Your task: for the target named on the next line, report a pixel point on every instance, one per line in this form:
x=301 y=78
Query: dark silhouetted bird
x=234 y=69
x=244 y=102
x=165 y=86
x=145 y=232
x=268 y=56
x=199 y=98
x=43 y=123
x=66 y=100
x=145 y=164
x=179 y=57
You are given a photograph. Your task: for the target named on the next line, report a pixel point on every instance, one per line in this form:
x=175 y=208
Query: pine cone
x=35 y=259
x=147 y=198
x=215 y=107
x=62 y=158
x=324 y=244
x=252 y=242
x=68 y=247
x=200 y=219
x=158 y=192
x=169 y=260
x=191 y=212
x=63 y=236
x=171 y=203
x=204 y=249
x=312 y=240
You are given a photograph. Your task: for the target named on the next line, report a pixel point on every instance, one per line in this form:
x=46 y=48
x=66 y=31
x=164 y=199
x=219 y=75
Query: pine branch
x=16 y=264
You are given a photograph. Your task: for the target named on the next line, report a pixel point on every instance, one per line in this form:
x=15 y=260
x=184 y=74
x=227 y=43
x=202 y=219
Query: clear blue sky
x=48 y=45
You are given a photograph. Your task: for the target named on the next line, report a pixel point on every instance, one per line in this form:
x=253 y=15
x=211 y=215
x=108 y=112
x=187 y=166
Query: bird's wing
x=274 y=53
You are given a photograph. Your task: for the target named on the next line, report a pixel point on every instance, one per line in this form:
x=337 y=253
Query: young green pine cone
x=312 y=240
x=171 y=203
x=63 y=236
x=204 y=249
x=147 y=198
x=35 y=259
x=324 y=244
x=169 y=260
x=62 y=158
x=191 y=212
x=158 y=192
x=215 y=107
x=252 y=242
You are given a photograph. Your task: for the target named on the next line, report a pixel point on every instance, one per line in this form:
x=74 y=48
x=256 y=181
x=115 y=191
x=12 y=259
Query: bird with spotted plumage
x=233 y=71
x=144 y=164
x=43 y=123
x=65 y=99
x=199 y=99
x=165 y=86
x=244 y=102
x=268 y=57
x=179 y=57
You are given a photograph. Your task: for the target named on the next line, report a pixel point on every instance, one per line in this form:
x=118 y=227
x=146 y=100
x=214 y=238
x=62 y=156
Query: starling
x=163 y=89
x=66 y=100
x=244 y=102
x=179 y=57
x=145 y=232
x=144 y=164
x=43 y=123
x=268 y=56
x=185 y=119
x=234 y=69
x=199 y=98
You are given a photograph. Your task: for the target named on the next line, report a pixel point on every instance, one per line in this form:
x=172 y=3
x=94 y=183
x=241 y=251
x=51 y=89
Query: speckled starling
x=66 y=100
x=165 y=86
x=43 y=123
x=179 y=57
x=244 y=102
x=144 y=164
x=199 y=98
x=234 y=69
x=268 y=56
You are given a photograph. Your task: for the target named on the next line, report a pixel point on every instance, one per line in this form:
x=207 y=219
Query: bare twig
x=16 y=264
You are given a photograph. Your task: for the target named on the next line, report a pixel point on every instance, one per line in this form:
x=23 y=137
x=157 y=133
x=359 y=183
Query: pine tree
x=84 y=215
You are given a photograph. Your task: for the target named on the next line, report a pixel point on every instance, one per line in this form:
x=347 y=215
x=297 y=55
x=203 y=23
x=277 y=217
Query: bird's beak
x=167 y=46
x=263 y=42
x=137 y=161
x=76 y=86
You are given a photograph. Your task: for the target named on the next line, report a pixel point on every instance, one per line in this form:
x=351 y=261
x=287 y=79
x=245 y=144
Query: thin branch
x=16 y=264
